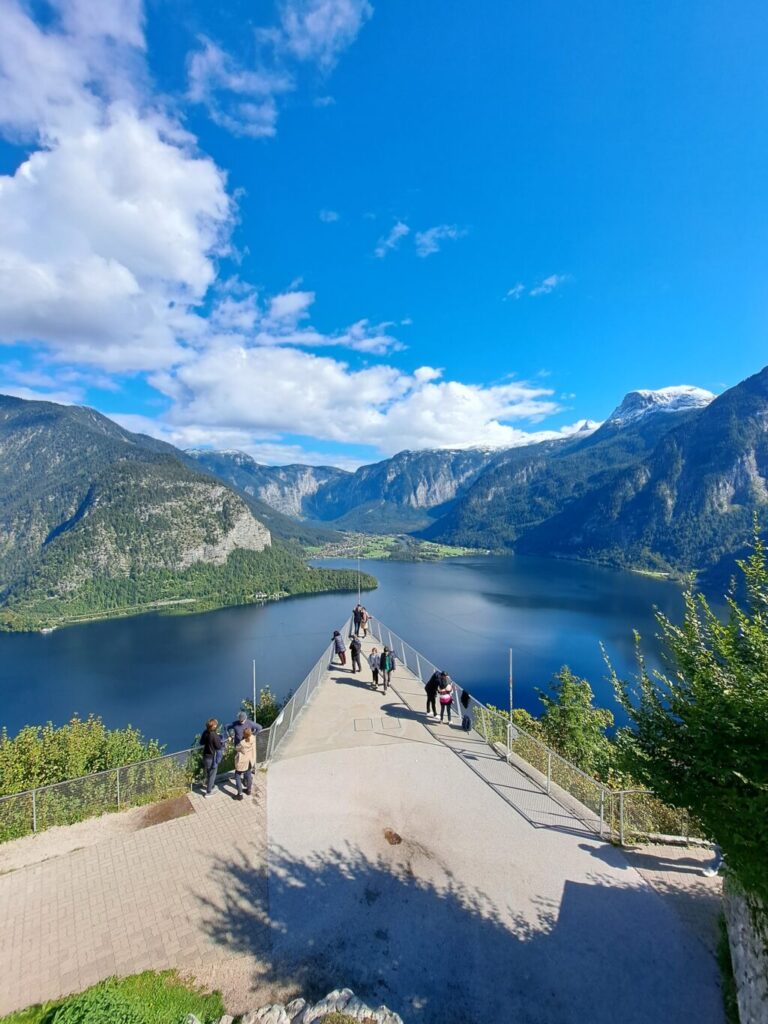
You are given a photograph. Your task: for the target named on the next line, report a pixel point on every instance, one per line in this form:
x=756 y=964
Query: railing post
x=118 y=788
x=418 y=667
x=549 y=771
x=602 y=810
x=402 y=651
x=621 y=818
x=509 y=742
x=34 y=810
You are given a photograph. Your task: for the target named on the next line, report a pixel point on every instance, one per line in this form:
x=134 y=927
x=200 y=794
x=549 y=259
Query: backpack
x=466 y=723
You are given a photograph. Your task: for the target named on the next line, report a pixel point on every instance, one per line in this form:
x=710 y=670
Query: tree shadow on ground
x=402 y=930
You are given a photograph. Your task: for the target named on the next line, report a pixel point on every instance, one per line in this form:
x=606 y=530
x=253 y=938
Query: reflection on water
x=167 y=674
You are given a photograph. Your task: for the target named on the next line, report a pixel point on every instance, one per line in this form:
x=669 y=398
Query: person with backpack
x=431 y=687
x=374 y=659
x=245 y=762
x=355 y=647
x=213 y=751
x=445 y=690
x=339 y=648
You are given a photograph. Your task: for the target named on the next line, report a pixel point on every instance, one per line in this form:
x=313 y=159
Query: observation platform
x=384 y=852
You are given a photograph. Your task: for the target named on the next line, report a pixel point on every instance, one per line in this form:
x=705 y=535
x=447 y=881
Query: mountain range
x=670 y=481
x=95 y=520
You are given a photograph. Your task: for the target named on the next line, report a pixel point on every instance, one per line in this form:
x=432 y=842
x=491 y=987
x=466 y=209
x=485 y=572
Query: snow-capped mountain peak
x=679 y=398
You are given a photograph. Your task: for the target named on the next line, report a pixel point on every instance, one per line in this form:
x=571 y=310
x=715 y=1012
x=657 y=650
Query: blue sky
x=326 y=230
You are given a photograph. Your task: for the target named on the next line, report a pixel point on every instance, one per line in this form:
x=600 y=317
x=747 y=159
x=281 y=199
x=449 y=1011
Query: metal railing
x=624 y=815
x=289 y=715
x=130 y=785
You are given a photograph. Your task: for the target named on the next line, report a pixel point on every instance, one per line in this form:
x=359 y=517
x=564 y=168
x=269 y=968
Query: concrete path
x=488 y=909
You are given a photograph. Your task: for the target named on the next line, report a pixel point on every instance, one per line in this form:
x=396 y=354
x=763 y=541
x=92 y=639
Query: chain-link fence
x=626 y=815
x=64 y=803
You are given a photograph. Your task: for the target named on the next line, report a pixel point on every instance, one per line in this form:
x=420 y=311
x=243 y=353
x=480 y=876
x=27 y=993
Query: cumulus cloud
x=392 y=239
x=429 y=241
x=282 y=390
x=515 y=292
x=243 y=98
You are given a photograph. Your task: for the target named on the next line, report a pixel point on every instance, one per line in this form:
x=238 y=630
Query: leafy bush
x=701 y=728
x=40 y=755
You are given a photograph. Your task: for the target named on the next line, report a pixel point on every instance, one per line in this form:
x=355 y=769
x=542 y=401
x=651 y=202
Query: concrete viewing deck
x=382 y=852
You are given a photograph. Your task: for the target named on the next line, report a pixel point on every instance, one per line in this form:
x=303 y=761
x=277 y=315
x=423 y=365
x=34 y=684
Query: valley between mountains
x=96 y=521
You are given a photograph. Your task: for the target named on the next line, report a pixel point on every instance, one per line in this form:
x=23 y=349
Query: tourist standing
x=245 y=762
x=445 y=689
x=386 y=664
x=339 y=647
x=238 y=727
x=213 y=750
x=373 y=660
x=357 y=618
x=431 y=688
x=364 y=617
x=355 y=647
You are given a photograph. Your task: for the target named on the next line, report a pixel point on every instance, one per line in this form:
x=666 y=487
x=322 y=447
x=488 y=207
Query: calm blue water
x=165 y=675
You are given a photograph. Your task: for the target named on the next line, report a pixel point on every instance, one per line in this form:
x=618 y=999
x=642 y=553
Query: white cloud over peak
x=429 y=241
x=272 y=391
x=392 y=239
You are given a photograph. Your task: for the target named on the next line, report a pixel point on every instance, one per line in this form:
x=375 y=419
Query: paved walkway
x=384 y=864
x=489 y=909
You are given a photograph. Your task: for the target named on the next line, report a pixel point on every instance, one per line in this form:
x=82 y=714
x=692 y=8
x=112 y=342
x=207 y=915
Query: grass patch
x=149 y=998
x=343 y=1018
x=727 y=980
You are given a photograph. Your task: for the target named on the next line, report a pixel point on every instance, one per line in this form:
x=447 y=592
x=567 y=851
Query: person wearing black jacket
x=431 y=688
x=355 y=648
x=213 y=748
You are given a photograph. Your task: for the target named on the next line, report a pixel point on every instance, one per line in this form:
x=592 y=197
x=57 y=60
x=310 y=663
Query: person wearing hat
x=238 y=727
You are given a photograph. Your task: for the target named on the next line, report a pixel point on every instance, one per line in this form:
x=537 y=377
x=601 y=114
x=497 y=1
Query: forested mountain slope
x=689 y=504
x=96 y=520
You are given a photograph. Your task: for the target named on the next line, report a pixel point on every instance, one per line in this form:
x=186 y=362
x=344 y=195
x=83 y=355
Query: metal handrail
x=601 y=788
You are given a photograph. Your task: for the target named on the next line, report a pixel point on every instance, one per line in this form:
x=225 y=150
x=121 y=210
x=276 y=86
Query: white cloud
x=549 y=284
x=277 y=390
x=428 y=242
x=108 y=241
x=515 y=292
x=328 y=216
x=318 y=30
x=243 y=99
x=240 y=100
x=46 y=73
x=392 y=239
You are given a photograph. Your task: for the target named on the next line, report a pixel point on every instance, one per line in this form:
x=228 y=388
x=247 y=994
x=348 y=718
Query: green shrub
x=148 y=998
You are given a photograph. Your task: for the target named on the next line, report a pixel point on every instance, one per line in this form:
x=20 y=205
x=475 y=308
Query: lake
x=167 y=674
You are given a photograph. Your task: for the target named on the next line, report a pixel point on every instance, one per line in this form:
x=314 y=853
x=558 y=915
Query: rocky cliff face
x=689 y=502
x=287 y=489
x=81 y=499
